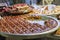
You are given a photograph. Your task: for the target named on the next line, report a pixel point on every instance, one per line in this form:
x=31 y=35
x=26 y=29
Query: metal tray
x=33 y=35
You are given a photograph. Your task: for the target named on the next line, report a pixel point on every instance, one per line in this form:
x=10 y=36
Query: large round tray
x=33 y=35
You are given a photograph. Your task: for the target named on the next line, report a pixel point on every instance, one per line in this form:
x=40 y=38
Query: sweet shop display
x=29 y=20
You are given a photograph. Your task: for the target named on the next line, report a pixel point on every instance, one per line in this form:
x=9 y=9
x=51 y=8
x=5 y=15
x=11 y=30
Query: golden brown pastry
x=58 y=32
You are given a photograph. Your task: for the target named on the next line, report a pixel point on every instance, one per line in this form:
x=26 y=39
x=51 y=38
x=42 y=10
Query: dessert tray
x=28 y=25
x=47 y=9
